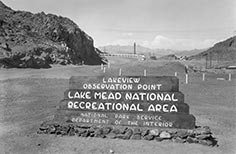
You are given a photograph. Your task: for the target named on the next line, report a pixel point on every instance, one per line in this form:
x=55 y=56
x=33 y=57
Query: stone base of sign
x=200 y=135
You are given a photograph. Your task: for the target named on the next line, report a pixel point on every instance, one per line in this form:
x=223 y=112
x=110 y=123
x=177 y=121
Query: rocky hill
x=222 y=51
x=30 y=40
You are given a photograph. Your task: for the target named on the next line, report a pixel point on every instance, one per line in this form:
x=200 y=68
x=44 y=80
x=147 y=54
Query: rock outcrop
x=224 y=51
x=38 y=40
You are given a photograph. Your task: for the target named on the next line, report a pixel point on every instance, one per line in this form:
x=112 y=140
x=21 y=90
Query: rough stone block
x=165 y=135
x=154 y=132
x=106 y=130
x=149 y=137
x=111 y=135
x=122 y=136
x=179 y=140
x=202 y=130
x=129 y=133
x=116 y=131
x=145 y=132
x=203 y=136
x=85 y=134
x=136 y=137
x=158 y=139
x=137 y=131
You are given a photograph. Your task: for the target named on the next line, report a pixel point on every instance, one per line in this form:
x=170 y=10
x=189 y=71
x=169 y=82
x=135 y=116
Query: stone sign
x=125 y=101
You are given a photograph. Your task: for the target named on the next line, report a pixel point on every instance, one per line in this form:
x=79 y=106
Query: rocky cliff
x=223 y=51
x=30 y=40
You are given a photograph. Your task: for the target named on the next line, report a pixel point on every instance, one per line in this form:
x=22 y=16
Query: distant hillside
x=222 y=51
x=189 y=52
x=30 y=40
x=141 y=50
x=125 y=49
x=122 y=49
x=147 y=51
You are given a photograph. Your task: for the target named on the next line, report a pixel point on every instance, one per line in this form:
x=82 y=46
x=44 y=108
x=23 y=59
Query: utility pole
x=210 y=59
x=206 y=55
x=134 y=48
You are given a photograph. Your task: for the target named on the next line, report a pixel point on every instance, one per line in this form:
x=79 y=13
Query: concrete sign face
x=126 y=101
x=165 y=83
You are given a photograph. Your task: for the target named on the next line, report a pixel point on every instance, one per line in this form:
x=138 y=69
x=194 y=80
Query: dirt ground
x=28 y=97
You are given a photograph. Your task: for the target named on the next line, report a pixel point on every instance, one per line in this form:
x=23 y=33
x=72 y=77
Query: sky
x=164 y=24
